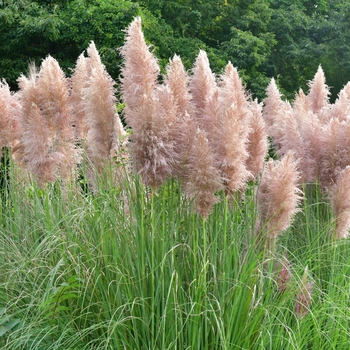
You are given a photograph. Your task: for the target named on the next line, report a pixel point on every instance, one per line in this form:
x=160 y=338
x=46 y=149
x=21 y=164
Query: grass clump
x=123 y=268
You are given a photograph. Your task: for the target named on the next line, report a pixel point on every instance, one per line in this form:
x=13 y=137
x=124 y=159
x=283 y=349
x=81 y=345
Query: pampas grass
x=9 y=115
x=105 y=130
x=232 y=136
x=78 y=82
x=203 y=179
x=318 y=96
x=315 y=130
x=140 y=69
x=184 y=126
x=340 y=201
x=151 y=147
x=277 y=199
x=47 y=144
x=202 y=85
x=118 y=267
x=257 y=146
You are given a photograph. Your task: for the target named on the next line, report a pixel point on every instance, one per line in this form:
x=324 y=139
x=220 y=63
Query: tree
x=30 y=30
x=309 y=33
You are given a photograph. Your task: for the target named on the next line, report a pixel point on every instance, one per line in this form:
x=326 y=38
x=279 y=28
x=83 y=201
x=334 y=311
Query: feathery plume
x=48 y=149
x=212 y=120
x=36 y=144
x=53 y=93
x=202 y=85
x=292 y=140
x=273 y=112
x=203 y=180
x=178 y=81
x=152 y=144
x=139 y=72
x=257 y=146
x=9 y=114
x=300 y=104
x=232 y=90
x=104 y=127
x=184 y=128
x=79 y=81
x=319 y=92
x=340 y=201
x=278 y=198
x=272 y=103
x=334 y=151
x=341 y=107
x=27 y=96
x=231 y=150
x=311 y=132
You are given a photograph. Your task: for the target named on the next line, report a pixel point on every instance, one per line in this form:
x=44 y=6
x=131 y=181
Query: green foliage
x=100 y=21
x=7 y=322
x=284 y=39
x=31 y=30
x=125 y=268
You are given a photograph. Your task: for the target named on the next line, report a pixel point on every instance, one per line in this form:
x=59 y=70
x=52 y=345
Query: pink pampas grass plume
x=257 y=146
x=202 y=85
x=178 y=81
x=300 y=104
x=33 y=150
x=232 y=151
x=9 y=117
x=53 y=94
x=203 y=180
x=152 y=142
x=139 y=72
x=183 y=126
x=312 y=134
x=79 y=82
x=152 y=121
x=232 y=90
x=49 y=146
x=36 y=142
x=341 y=107
x=340 y=201
x=27 y=96
x=100 y=125
x=335 y=151
x=318 y=96
x=273 y=112
x=278 y=197
x=105 y=130
x=332 y=143
x=272 y=103
x=232 y=136
x=292 y=140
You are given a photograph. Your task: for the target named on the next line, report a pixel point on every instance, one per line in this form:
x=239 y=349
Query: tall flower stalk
x=10 y=109
x=151 y=144
x=234 y=128
x=47 y=146
x=340 y=201
x=277 y=198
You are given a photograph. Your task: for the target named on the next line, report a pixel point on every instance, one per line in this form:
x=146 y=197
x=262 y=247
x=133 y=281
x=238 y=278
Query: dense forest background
x=285 y=39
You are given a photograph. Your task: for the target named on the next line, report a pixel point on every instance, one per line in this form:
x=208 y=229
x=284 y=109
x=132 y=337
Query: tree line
x=284 y=39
